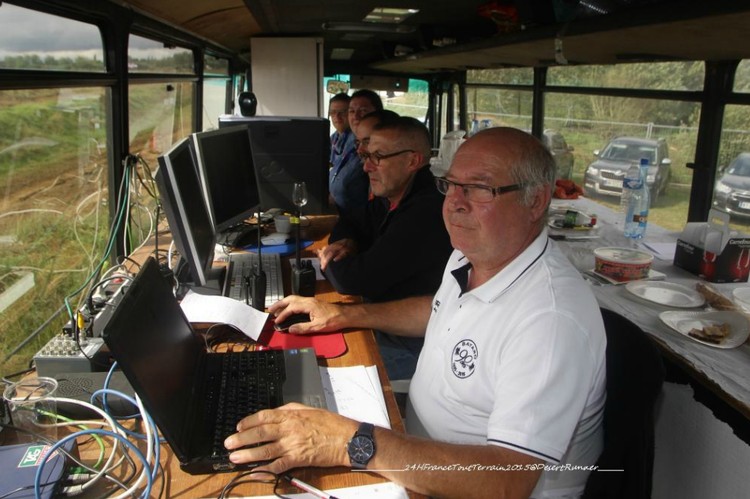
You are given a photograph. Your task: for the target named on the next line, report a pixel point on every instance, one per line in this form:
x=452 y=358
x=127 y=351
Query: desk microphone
x=258 y=279
x=303 y=274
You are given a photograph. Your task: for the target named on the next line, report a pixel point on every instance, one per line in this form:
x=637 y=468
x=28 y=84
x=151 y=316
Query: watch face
x=361 y=449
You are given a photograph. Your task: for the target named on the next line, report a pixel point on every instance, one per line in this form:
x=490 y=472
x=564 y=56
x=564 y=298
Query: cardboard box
x=710 y=251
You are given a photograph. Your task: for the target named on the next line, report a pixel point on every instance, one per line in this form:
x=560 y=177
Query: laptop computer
x=181 y=384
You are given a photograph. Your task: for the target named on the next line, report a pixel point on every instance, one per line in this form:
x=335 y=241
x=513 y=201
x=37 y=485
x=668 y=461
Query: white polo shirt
x=517 y=362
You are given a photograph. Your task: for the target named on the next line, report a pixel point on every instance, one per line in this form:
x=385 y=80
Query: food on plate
x=713 y=333
x=714 y=298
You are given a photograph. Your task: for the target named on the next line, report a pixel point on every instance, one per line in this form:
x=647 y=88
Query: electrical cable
x=118 y=437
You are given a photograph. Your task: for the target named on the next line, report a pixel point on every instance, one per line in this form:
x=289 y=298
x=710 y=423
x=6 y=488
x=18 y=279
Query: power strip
x=62 y=355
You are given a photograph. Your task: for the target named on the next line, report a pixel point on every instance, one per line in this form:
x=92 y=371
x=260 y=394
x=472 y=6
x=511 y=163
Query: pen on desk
x=308 y=488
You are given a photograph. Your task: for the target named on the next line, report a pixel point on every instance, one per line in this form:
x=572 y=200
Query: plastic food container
x=623 y=264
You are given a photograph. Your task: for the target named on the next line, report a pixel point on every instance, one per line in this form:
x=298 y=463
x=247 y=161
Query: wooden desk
x=361 y=350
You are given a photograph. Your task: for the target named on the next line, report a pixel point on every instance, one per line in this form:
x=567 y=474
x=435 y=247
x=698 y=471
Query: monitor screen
x=187 y=214
x=225 y=165
x=288 y=150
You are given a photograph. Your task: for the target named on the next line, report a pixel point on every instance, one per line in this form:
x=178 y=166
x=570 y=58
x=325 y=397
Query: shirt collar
x=503 y=280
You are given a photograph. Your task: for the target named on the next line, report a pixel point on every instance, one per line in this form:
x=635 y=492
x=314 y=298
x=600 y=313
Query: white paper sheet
x=355 y=392
x=223 y=310
x=386 y=490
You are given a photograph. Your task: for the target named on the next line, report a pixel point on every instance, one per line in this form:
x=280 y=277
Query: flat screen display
x=187 y=213
x=225 y=165
x=287 y=150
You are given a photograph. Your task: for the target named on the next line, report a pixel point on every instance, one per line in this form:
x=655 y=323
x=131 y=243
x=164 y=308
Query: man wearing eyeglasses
x=347 y=183
x=400 y=247
x=509 y=389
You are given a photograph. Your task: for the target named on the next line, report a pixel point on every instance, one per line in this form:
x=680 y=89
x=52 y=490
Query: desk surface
x=361 y=350
x=725 y=372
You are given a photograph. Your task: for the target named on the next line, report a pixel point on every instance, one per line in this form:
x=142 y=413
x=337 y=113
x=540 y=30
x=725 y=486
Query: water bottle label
x=632 y=183
x=640 y=218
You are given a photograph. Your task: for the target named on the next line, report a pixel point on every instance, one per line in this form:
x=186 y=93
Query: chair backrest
x=635 y=373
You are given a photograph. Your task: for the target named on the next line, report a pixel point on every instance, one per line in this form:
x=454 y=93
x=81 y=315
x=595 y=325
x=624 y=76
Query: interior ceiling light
x=339 y=54
x=368 y=27
x=389 y=15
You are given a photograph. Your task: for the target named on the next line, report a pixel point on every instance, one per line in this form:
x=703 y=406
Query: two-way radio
x=258 y=279
x=303 y=274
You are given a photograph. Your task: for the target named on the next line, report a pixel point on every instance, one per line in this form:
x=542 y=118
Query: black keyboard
x=250 y=382
x=241 y=265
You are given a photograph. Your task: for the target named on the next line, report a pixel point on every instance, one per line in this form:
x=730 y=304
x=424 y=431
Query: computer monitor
x=225 y=166
x=187 y=214
x=288 y=150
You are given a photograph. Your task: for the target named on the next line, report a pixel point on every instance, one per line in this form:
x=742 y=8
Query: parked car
x=561 y=151
x=732 y=190
x=604 y=176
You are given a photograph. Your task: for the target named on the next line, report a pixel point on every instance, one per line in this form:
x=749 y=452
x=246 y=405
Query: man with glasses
x=400 y=247
x=509 y=389
x=347 y=182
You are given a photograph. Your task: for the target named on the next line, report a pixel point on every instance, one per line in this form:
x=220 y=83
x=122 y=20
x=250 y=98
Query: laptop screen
x=157 y=350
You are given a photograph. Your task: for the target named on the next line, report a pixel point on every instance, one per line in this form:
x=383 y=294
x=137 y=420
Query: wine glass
x=299 y=195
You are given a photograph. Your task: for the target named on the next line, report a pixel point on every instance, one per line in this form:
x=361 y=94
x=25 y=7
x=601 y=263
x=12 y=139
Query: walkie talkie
x=303 y=274
x=258 y=279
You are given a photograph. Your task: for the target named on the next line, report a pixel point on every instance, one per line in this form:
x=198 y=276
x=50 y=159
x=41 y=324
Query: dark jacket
x=402 y=252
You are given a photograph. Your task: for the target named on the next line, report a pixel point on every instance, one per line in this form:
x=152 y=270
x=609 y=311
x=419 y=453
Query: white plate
x=683 y=322
x=666 y=293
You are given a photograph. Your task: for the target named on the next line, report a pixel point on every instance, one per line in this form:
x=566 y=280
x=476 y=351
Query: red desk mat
x=326 y=345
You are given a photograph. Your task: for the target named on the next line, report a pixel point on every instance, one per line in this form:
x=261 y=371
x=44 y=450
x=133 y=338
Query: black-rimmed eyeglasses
x=375 y=157
x=474 y=192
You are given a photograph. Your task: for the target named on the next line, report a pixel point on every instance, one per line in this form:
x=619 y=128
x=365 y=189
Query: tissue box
x=710 y=251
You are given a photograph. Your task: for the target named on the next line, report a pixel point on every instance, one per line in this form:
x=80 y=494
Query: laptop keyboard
x=242 y=266
x=250 y=382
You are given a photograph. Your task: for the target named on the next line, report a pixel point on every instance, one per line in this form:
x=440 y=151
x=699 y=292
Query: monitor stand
x=215 y=281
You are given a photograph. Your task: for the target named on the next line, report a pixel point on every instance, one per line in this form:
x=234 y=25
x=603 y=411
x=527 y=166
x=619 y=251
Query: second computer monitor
x=288 y=150
x=225 y=164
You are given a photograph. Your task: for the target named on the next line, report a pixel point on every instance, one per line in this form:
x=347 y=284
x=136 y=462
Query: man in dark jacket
x=401 y=246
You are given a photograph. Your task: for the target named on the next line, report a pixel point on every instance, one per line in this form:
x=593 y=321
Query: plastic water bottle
x=637 y=214
x=630 y=179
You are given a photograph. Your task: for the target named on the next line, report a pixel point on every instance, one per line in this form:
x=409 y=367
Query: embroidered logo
x=464 y=359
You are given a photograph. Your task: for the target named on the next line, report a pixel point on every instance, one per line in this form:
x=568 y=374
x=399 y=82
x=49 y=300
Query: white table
x=725 y=371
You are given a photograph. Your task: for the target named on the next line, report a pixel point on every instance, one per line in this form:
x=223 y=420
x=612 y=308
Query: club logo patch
x=464 y=359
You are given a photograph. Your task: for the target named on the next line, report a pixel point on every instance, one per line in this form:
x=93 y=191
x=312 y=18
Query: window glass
x=53 y=208
x=34 y=40
x=607 y=134
x=149 y=56
x=412 y=103
x=733 y=175
x=160 y=115
x=215 y=66
x=488 y=107
x=214 y=100
x=742 y=77
x=653 y=75
x=511 y=76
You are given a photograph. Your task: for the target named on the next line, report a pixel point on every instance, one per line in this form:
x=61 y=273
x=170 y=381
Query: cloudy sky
x=24 y=31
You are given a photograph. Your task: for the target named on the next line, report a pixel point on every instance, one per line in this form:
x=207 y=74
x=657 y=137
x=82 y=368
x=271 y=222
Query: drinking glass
x=299 y=194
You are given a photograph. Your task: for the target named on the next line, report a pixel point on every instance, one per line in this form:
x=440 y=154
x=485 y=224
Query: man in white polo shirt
x=509 y=387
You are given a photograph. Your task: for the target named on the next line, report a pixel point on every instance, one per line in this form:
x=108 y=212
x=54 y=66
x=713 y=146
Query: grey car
x=604 y=176
x=732 y=190
x=561 y=151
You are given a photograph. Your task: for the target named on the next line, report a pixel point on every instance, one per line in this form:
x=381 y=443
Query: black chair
x=635 y=374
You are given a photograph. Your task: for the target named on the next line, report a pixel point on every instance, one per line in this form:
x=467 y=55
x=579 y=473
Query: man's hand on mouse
x=324 y=317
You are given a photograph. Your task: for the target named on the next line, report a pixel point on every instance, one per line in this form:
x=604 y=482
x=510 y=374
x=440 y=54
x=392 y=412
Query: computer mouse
x=274 y=239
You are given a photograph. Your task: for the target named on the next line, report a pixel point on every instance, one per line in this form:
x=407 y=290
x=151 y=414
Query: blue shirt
x=347 y=181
